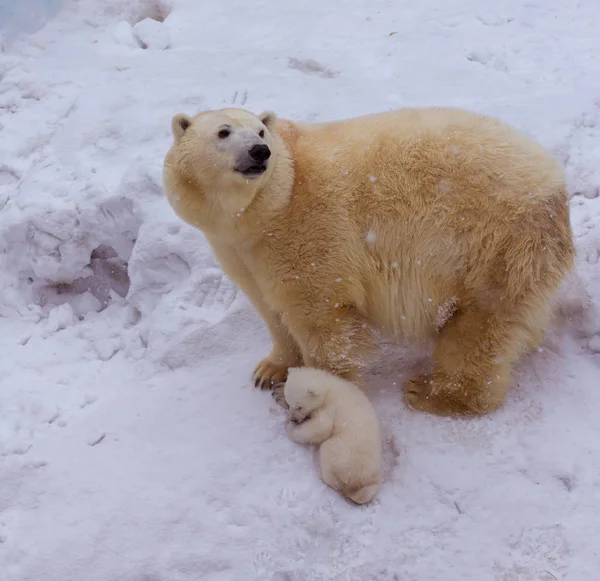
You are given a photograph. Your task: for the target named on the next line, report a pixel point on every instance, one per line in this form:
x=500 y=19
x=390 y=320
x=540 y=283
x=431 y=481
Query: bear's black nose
x=260 y=152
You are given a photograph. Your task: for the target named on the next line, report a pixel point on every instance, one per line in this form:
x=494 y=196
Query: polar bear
x=347 y=231
x=336 y=415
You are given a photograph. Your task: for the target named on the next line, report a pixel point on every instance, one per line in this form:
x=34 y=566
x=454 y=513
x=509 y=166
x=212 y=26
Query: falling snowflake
x=371 y=236
x=444 y=186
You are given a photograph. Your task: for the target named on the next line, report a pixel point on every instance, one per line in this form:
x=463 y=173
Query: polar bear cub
x=334 y=413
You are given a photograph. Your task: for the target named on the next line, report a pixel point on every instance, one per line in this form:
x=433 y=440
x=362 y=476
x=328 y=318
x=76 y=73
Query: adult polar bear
x=339 y=232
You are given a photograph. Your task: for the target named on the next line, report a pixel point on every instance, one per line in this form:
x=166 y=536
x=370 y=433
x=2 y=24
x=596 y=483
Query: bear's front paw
x=268 y=373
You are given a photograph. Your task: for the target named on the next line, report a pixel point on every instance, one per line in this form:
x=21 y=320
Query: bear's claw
x=278 y=395
x=268 y=374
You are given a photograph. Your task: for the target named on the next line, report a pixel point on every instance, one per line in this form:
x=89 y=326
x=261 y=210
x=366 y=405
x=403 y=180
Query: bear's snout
x=260 y=152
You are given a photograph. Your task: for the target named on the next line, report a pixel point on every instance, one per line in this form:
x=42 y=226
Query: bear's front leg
x=335 y=339
x=272 y=370
x=285 y=353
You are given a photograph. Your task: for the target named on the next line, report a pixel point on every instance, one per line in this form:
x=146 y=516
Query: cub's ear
x=180 y=124
x=269 y=119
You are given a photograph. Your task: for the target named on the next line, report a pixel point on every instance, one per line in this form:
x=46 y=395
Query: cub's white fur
x=334 y=413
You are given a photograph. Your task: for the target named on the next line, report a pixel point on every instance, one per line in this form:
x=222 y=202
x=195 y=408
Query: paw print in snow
x=214 y=295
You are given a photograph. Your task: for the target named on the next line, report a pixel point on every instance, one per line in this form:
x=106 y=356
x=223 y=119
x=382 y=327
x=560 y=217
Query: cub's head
x=305 y=391
x=219 y=160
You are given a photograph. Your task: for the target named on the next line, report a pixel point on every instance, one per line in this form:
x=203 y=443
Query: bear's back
x=429 y=145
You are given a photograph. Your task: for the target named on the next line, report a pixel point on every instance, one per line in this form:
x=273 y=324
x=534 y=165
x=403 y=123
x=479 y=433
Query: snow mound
x=123 y=34
x=151 y=34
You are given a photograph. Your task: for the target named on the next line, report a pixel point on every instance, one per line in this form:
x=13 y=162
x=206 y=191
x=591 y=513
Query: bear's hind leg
x=472 y=362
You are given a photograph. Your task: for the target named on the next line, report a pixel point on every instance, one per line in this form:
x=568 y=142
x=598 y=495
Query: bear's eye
x=224 y=133
x=298 y=408
x=261 y=133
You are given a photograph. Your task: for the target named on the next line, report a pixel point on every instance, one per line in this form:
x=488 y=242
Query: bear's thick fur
x=416 y=224
x=337 y=416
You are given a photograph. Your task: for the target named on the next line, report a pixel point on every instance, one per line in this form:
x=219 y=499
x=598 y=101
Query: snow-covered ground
x=132 y=444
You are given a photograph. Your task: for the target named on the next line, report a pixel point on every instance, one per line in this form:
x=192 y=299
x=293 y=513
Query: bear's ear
x=180 y=124
x=268 y=118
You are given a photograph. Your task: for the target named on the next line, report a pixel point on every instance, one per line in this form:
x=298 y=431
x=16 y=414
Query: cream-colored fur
x=418 y=224
x=336 y=415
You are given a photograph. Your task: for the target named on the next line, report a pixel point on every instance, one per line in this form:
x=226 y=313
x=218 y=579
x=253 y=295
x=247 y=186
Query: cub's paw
x=268 y=374
x=278 y=395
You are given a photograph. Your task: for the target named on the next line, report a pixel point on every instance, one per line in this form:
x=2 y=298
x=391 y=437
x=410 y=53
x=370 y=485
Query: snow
x=133 y=446
x=371 y=237
x=151 y=34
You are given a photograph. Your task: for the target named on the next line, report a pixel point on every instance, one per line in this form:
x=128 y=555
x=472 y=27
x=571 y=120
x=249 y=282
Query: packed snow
x=133 y=446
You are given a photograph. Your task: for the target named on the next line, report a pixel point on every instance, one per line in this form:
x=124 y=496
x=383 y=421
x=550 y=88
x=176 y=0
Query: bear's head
x=219 y=160
x=305 y=391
